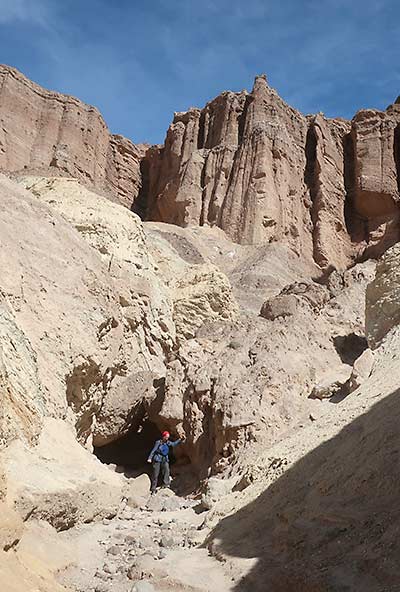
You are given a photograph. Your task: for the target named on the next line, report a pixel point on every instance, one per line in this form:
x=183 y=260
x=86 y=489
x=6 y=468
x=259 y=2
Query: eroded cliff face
x=259 y=170
x=374 y=179
x=53 y=133
x=226 y=332
x=263 y=172
x=247 y=163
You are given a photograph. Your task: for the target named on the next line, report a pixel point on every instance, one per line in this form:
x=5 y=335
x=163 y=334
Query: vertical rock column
x=376 y=186
x=324 y=176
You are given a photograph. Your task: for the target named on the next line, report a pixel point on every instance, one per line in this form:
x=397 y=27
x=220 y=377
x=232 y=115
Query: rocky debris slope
x=255 y=273
x=238 y=386
x=155 y=548
x=241 y=386
x=54 y=133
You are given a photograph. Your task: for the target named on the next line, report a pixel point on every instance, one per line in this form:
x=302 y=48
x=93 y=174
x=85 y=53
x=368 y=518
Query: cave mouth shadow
x=128 y=455
x=350 y=347
x=331 y=523
x=130 y=452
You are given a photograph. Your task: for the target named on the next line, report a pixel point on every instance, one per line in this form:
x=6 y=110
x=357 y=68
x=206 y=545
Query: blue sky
x=139 y=61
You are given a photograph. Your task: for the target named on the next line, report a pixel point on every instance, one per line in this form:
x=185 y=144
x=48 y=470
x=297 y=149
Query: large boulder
x=62 y=482
x=362 y=369
x=335 y=382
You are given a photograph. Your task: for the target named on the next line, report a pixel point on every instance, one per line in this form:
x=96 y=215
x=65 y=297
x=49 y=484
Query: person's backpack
x=161 y=450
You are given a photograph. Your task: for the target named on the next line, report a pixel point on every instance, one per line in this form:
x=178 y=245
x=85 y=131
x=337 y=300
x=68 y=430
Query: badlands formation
x=239 y=286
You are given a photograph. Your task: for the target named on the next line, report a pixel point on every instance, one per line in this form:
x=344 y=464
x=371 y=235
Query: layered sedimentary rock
x=247 y=163
x=259 y=170
x=374 y=178
x=43 y=130
x=238 y=164
x=263 y=172
x=325 y=178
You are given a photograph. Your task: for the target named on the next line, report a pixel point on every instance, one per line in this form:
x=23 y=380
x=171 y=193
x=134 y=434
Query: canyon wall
x=113 y=328
x=263 y=172
x=44 y=131
x=374 y=178
x=247 y=163
x=259 y=170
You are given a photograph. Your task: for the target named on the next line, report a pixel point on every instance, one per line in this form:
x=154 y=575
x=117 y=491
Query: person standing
x=159 y=457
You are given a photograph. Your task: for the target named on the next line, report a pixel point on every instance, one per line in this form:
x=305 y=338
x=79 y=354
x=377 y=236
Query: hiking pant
x=164 y=468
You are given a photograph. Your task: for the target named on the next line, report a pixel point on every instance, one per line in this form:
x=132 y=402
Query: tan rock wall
x=383 y=298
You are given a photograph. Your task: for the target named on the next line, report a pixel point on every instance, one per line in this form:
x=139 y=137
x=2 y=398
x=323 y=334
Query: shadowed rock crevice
x=350 y=347
x=202 y=131
x=242 y=118
x=312 y=180
x=130 y=451
x=356 y=227
x=140 y=204
x=203 y=185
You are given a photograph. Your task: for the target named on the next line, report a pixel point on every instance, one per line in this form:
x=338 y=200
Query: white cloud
x=35 y=12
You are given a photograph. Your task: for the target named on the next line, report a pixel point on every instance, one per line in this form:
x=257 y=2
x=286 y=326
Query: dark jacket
x=161 y=450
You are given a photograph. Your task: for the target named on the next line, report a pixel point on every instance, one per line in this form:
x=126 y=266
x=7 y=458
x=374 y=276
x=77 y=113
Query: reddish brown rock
x=325 y=177
x=46 y=131
x=375 y=139
x=259 y=170
x=247 y=163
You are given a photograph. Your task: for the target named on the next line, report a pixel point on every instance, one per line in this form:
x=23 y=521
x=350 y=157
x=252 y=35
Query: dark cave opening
x=350 y=347
x=129 y=454
x=132 y=450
